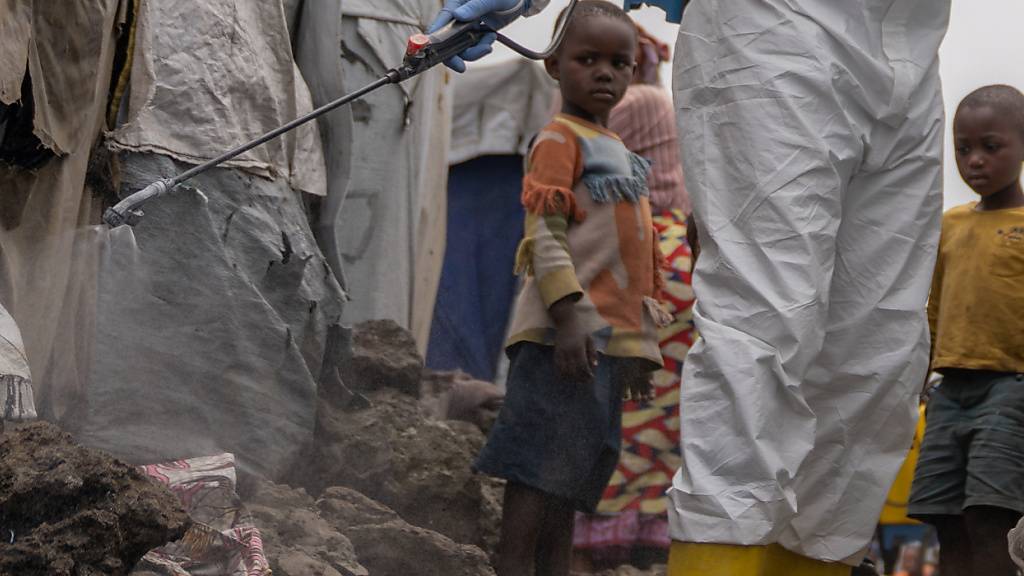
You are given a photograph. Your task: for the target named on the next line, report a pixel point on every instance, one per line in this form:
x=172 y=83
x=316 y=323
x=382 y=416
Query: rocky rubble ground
x=70 y=511
x=386 y=488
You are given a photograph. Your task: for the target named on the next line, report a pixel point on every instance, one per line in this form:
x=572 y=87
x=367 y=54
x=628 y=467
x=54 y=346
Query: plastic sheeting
x=47 y=265
x=215 y=325
x=382 y=223
x=387 y=228
x=208 y=76
x=209 y=327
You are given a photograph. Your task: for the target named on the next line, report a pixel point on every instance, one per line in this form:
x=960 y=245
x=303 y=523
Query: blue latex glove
x=495 y=13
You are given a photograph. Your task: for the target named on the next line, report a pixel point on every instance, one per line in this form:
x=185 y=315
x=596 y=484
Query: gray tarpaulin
x=47 y=276
x=499 y=108
x=212 y=331
x=382 y=224
x=15 y=32
x=209 y=328
x=210 y=75
x=214 y=326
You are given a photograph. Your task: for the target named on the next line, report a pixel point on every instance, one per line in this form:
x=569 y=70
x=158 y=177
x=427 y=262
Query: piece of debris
x=296 y=539
x=71 y=511
x=384 y=355
x=459 y=396
x=387 y=544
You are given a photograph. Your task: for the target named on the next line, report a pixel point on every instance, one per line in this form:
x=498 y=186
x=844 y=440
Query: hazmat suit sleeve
x=555 y=165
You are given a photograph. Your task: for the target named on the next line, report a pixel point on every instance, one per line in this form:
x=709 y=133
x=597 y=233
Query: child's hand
x=575 y=356
x=639 y=386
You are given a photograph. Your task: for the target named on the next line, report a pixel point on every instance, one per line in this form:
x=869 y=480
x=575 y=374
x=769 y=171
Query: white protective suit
x=813 y=132
x=814 y=136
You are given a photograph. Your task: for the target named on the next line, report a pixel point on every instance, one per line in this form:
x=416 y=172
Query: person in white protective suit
x=813 y=133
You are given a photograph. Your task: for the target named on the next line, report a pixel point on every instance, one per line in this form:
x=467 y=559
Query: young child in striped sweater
x=584 y=333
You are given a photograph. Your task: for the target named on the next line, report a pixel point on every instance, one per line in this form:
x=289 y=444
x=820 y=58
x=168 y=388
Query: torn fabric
x=16 y=398
x=209 y=76
x=15 y=31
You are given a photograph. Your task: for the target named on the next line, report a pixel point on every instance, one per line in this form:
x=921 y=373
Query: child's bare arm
x=693 y=240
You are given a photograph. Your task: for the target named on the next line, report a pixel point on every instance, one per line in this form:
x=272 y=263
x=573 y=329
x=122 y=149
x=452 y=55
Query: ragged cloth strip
x=16 y=398
x=632 y=513
x=224 y=541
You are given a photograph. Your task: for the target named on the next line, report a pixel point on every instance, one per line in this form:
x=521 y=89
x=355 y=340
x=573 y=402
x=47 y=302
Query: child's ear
x=551 y=66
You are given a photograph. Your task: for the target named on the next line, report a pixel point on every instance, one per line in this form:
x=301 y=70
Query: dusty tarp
x=214 y=326
x=498 y=109
x=16 y=398
x=208 y=328
x=15 y=32
x=208 y=76
x=382 y=223
x=47 y=275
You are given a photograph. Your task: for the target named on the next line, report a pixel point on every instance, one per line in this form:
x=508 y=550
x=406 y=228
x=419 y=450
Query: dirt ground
x=69 y=511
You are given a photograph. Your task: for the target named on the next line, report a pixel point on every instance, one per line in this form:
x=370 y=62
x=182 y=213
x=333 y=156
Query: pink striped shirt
x=646 y=122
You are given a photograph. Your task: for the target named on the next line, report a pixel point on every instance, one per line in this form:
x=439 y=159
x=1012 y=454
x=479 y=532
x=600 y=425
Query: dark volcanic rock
x=71 y=511
x=386 y=544
x=383 y=356
x=420 y=467
x=297 y=539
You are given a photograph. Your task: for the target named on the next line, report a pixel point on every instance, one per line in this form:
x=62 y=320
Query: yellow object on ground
x=689 y=559
x=895 y=511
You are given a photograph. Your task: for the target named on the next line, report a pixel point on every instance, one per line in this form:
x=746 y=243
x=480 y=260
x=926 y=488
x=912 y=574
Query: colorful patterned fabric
x=632 y=512
x=223 y=541
x=589 y=234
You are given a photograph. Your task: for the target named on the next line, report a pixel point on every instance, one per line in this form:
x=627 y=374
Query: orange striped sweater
x=589 y=235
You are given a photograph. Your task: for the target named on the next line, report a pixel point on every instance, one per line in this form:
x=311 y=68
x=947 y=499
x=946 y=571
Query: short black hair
x=591 y=8
x=1006 y=100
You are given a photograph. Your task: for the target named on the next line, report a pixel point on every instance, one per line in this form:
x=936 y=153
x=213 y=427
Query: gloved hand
x=494 y=13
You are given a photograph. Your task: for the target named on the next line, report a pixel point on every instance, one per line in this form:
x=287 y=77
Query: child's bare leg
x=554 y=544
x=523 y=515
x=987 y=527
x=954 y=545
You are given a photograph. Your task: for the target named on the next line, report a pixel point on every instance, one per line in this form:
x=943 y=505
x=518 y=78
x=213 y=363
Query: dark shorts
x=561 y=438
x=973 y=448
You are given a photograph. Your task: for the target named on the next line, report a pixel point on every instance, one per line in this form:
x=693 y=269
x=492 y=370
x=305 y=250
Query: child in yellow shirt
x=969 y=481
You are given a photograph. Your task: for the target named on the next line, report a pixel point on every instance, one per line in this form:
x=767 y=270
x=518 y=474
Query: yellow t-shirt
x=976 y=309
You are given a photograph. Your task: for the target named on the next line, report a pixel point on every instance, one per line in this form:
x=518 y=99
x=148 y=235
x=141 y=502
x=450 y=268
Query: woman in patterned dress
x=631 y=525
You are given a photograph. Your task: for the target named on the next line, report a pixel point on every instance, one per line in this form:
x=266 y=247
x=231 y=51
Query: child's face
x=595 y=64
x=989 y=150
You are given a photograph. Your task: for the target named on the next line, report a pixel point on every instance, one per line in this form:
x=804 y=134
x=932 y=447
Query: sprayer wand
x=423 y=53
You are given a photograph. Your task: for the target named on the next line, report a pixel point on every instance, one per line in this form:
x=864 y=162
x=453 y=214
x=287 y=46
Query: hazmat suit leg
x=812 y=134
